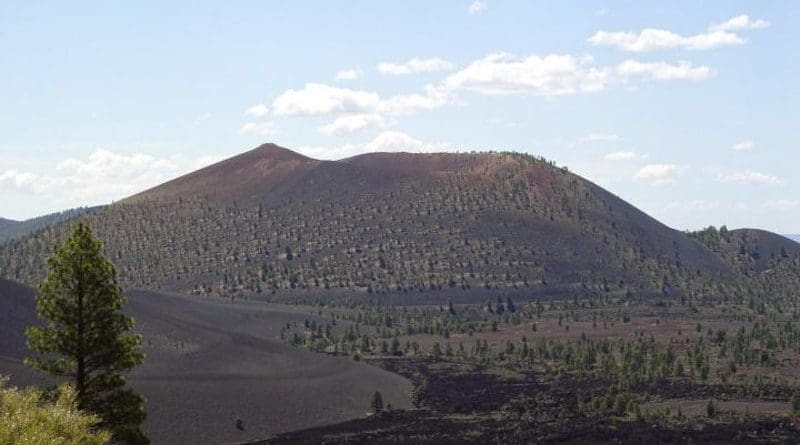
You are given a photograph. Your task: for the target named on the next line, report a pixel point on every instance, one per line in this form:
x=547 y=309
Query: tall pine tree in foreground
x=86 y=337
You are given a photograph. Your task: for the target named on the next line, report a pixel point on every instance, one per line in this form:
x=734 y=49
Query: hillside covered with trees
x=273 y=222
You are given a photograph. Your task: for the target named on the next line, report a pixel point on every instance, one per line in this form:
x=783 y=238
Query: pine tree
x=711 y=409
x=377 y=402
x=795 y=402
x=86 y=337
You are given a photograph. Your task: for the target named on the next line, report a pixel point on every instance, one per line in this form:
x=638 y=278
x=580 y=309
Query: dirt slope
x=211 y=362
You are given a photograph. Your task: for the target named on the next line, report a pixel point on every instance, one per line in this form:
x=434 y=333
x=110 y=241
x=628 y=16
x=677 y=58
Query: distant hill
x=271 y=221
x=17 y=311
x=795 y=237
x=749 y=251
x=11 y=230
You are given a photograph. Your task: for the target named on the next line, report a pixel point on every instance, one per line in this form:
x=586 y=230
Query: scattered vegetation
x=418 y=230
x=29 y=417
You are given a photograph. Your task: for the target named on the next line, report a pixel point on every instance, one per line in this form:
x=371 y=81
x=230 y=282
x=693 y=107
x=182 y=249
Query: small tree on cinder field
x=86 y=337
x=377 y=402
x=795 y=402
x=711 y=409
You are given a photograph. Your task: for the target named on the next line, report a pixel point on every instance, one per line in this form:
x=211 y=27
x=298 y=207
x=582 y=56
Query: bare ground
x=210 y=362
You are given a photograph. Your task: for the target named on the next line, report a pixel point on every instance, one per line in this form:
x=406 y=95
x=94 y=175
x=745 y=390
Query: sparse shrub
x=26 y=418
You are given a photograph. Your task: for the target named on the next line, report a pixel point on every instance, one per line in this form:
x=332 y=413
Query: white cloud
x=781 y=204
x=748 y=178
x=352 y=123
x=744 y=146
x=560 y=74
x=100 y=176
x=476 y=7
x=103 y=162
x=415 y=65
x=356 y=109
x=257 y=111
x=500 y=73
x=740 y=22
x=259 y=128
x=386 y=141
x=406 y=104
x=683 y=70
x=599 y=137
x=657 y=174
x=651 y=39
x=349 y=74
x=551 y=75
x=317 y=99
x=20 y=180
x=106 y=175
x=624 y=156
x=395 y=141
x=654 y=39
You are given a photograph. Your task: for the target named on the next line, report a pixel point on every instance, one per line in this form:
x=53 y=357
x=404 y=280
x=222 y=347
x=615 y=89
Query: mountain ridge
x=272 y=221
x=11 y=230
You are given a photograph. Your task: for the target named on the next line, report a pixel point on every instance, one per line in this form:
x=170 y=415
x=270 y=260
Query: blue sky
x=686 y=109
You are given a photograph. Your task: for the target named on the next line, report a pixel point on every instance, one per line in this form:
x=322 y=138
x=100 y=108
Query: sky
x=688 y=110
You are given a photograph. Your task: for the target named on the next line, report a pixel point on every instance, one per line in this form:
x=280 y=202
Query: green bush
x=28 y=418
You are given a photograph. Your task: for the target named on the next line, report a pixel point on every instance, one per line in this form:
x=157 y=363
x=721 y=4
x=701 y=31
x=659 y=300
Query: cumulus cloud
x=395 y=141
x=320 y=99
x=415 y=65
x=259 y=128
x=748 y=178
x=105 y=162
x=560 y=74
x=654 y=39
x=352 y=123
x=740 y=22
x=744 y=146
x=624 y=156
x=406 y=104
x=257 y=111
x=21 y=180
x=551 y=75
x=317 y=99
x=651 y=39
x=683 y=70
x=657 y=174
x=386 y=141
x=356 y=109
x=348 y=74
x=102 y=177
x=476 y=7
x=495 y=74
